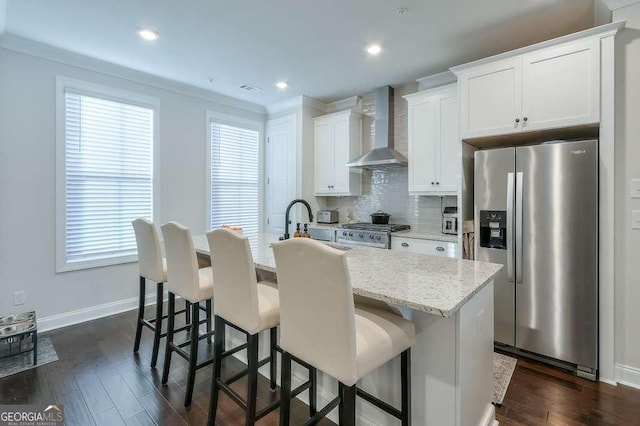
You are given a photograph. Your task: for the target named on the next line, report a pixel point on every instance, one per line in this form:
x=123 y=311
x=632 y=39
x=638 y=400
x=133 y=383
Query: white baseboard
x=629 y=376
x=91 y=313
x=489 y=416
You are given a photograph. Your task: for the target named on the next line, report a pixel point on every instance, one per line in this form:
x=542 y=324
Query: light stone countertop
x=431 y=284
x=417 y=232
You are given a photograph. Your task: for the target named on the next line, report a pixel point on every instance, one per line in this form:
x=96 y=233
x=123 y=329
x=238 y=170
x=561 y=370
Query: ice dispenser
x=493 y=229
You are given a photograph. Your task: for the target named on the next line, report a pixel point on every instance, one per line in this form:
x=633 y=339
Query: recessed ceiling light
x=282 y=85
x=147 y=34
x=374 y=49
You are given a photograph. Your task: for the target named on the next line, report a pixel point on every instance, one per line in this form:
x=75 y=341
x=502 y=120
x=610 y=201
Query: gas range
x=368 y=234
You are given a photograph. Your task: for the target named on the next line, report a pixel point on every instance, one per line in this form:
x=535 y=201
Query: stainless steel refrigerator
x=536 y=212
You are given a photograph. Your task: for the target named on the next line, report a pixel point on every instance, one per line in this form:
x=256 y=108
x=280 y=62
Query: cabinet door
x=323 y=149
x=491 y=99
x=560 y=86
x=449 y=146
x=340 y=157
x=422 y=143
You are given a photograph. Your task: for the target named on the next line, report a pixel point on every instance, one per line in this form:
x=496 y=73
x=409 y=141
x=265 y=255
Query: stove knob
x=371 y=237
x=361 y=236
x=344 y=233
x=351 y=234
x=378 y=238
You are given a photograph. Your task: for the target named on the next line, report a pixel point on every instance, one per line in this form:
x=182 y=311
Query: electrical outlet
x=635 y=219
x=19 y=298
x=482 y=323
x=635 y=188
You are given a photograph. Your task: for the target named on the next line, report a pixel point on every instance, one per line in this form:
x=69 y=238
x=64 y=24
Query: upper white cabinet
x=434 y=142
x=561 y=86
x=542 y=89
x=336 y=142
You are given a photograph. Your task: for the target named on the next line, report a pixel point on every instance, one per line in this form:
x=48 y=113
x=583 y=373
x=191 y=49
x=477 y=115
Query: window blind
x=108 y=175
x=235 y=177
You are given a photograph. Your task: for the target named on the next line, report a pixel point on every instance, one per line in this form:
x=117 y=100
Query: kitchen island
x=450 y=302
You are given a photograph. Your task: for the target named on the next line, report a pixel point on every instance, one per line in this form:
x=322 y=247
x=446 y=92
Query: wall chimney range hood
x=382 y=156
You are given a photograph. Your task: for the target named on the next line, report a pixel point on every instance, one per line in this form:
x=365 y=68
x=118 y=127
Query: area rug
x=503 y=367
x=16 y=364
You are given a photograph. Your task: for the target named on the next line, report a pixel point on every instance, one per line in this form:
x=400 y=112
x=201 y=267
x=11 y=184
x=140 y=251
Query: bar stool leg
x=170 y=326
x=405 y=368
x=209 y=321
x=35 y=347
x=218 y=348
x=252 y=391
x=348 y=401
x=187 y=315
x=313 y=391
x=273 y=356
x=193 y=352
x=157 y=334
x=285 y=390
x=341 y=405
x=136 y=345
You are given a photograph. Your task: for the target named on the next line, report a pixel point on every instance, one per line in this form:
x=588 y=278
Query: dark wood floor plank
x=94 y=393
x=124 y=400
x=140 y=419
x=76 y=411
x=110 y=417
x=160 y=410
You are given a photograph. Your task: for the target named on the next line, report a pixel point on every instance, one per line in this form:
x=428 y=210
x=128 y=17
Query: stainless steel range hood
x=382 y=155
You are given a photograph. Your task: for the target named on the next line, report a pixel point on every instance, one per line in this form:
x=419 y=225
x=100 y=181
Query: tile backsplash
x=388 y=189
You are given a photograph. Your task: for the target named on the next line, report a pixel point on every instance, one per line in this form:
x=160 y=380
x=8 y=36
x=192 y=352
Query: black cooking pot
x=380 y=218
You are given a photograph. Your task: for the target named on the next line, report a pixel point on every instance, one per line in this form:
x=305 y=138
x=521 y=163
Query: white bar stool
x=250 y=307
x=154 y=268
x=194 y=285
x=321 y=326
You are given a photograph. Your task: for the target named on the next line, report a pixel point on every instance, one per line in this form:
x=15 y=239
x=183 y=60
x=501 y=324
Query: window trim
x=107 y=93
x=233 y=120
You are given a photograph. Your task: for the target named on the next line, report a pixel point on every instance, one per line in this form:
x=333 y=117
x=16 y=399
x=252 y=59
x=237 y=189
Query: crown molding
x=51 y=53
x=619 y=4
x=437 y=80
x=602 y=31
x=341 y=104
x=295 y=102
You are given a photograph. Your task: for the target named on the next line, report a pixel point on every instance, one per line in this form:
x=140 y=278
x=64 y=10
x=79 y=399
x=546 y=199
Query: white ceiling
x=317 y=46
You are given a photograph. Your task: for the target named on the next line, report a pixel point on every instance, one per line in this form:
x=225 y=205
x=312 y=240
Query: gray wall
x=627 y=160
x=388 y=189
x=27 y=180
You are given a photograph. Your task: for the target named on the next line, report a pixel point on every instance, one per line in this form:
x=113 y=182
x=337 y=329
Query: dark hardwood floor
x=100 y=381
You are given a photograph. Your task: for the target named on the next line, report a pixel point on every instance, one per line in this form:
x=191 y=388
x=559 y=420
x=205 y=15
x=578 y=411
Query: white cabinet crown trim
x=596 y=32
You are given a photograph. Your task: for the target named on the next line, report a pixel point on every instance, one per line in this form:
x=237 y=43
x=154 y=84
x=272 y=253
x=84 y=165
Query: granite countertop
x=432 y=284
x=417 y=232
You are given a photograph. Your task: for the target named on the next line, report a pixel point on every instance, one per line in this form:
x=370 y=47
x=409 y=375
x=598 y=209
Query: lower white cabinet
x=430 y=247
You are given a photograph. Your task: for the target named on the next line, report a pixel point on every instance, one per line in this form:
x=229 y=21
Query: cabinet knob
x=405 y=244
x=440 y=248
x=525 y=118
x=433 y=183
x=437 y=183
x=517 y=120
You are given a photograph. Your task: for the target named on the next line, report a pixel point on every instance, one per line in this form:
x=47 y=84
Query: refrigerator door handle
x=510 y=239
x=519 y=182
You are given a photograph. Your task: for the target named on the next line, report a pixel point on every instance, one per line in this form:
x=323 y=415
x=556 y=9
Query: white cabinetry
x=543 y=89
x=430 y=247
x=434 y=143
x=336 y=141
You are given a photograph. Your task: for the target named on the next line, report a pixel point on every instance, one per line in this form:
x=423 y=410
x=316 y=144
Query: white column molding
x=607 y=211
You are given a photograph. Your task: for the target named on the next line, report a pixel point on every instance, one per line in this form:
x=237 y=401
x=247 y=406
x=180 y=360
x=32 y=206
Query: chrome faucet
x=286 y=216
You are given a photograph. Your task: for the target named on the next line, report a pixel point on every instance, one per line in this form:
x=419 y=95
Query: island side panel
x=433 y=369
x=475 y=360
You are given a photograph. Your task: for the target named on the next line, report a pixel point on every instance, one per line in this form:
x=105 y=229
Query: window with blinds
x=108 y=178
x=235 y=184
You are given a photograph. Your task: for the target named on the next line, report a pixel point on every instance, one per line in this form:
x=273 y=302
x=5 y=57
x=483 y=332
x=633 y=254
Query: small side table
x=18 y=335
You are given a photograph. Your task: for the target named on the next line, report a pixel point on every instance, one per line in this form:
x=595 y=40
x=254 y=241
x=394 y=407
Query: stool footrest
x=379 y=403
x=232 y=394
x=323 y=413
x=244 y=371
x=234 y=350
x=303 y=387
